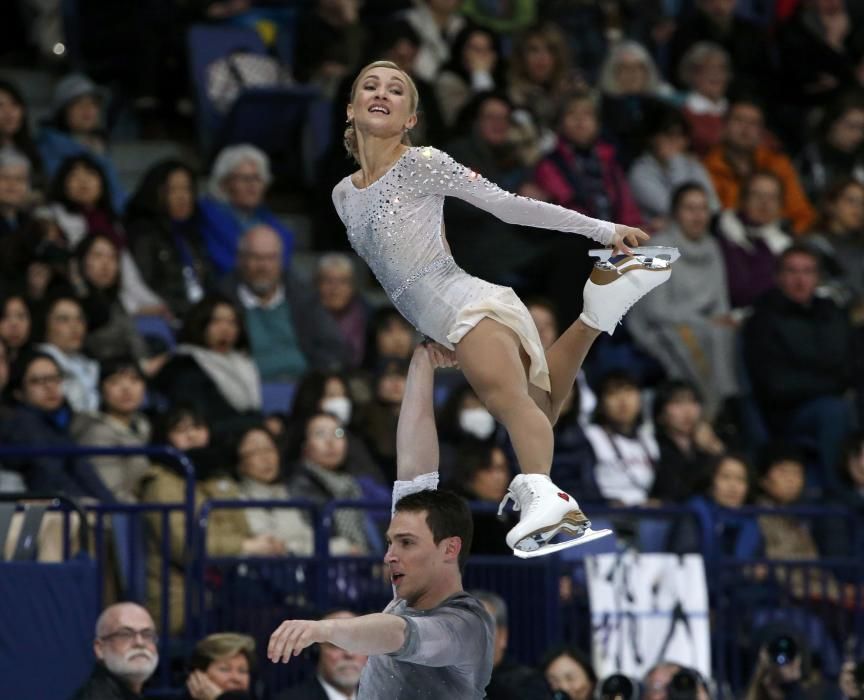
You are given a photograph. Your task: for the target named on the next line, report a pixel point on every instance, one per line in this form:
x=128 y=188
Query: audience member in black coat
x=686 y=440
x=820 y=47
x=163 y=228
x=510 y=679
x=800 y=356
x=42 y=417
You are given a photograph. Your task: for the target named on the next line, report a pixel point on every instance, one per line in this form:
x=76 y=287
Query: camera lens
x=783 y=650
x=617 y=687
x=684 y=685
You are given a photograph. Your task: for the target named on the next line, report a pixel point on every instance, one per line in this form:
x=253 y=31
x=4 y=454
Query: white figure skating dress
x=395 y=225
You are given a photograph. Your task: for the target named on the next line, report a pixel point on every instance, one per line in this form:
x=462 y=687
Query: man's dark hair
x=447 y=515
x=799 y=249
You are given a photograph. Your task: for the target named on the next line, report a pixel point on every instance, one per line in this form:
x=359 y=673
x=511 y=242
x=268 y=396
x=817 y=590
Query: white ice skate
x=546 y=511
x=619 y=281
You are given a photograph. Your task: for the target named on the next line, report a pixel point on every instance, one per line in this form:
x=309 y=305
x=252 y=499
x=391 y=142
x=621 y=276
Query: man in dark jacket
x=800 y=356
x=288 y=329
x=126 y=654
x=337 y=674
x=510 y=679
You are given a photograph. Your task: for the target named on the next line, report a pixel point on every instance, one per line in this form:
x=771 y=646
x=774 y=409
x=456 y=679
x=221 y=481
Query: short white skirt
x=448 y=302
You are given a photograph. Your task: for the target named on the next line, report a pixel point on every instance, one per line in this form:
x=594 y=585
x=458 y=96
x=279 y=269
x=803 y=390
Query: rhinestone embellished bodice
x=395 y=225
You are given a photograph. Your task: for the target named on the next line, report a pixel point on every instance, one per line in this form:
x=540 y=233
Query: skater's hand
x=293 y=636
x=438 y=355
x=626 y=236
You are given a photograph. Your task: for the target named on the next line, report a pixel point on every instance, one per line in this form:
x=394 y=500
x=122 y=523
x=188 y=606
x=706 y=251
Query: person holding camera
x=780 y=672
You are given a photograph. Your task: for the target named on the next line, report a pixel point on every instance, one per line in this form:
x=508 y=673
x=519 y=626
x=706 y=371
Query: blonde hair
x=220 y=646
x=349 y=138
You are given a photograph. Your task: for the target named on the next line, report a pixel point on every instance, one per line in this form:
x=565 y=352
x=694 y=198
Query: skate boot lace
x=523 y=495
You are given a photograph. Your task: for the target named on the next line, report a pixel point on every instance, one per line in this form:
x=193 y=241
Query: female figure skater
x=392 y=209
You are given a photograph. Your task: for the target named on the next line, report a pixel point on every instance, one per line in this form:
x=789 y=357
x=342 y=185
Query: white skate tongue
x=588 y=536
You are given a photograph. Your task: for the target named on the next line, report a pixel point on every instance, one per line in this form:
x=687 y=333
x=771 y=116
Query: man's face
x=127 y=644
x=413 y=558
x=338 y=667
x=798 y=277
x=260 y=261
x=744 y=127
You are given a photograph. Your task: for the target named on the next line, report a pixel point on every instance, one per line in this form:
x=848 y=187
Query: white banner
x=648 y=608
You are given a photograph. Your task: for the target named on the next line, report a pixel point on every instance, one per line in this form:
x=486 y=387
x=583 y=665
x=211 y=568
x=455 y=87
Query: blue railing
x=255 y=593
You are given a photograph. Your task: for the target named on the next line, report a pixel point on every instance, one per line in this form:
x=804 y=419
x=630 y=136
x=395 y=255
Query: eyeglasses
x=127 y=635
x=45 y=380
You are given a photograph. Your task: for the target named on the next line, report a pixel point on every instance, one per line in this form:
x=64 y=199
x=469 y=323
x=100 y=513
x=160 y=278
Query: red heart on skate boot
x=564 y=496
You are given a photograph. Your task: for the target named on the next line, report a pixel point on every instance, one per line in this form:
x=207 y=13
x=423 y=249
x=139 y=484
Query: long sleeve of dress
x=442 y=175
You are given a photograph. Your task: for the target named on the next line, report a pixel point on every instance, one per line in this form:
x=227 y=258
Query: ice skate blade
x=589 y=536
x=668 y=253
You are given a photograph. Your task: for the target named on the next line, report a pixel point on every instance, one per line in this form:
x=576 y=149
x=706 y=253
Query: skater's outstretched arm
x=452 y=179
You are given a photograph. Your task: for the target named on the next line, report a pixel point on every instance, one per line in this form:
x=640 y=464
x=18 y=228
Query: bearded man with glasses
x=126 y=654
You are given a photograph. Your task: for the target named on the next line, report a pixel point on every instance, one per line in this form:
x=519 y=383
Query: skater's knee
x=507 y=404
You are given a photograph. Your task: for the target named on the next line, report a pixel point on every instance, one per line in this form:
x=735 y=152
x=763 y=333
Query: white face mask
x=339 y=406
x=477 y=422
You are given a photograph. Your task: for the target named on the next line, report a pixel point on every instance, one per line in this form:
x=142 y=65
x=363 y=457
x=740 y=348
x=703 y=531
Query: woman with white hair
x=235 y=203
x=706 y=71
x=631 y=88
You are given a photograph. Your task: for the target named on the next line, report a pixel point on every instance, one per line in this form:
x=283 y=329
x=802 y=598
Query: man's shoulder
x=102 y=685
x=466 y=602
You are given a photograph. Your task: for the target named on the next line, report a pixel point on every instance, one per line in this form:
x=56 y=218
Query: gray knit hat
x=71 y=88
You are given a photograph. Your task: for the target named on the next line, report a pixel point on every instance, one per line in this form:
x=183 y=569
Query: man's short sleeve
x=444 y=638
